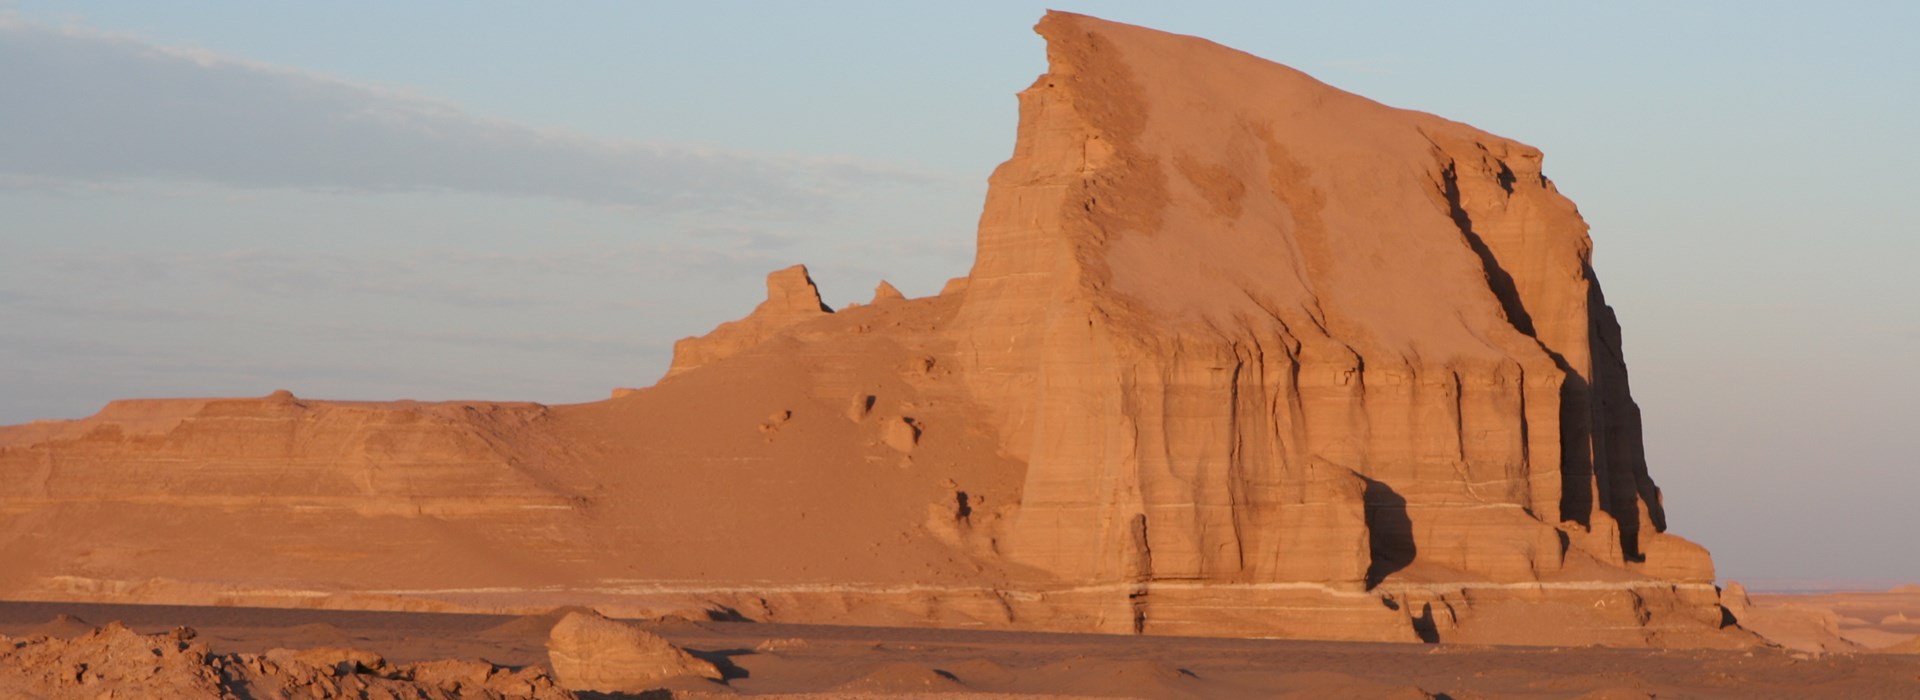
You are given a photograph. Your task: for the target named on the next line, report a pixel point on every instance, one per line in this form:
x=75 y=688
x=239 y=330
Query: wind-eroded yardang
x=1240 y=354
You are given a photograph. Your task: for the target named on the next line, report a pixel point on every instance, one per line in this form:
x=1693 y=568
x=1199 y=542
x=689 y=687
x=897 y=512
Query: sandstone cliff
x=1243 y=327
x=1240 y=353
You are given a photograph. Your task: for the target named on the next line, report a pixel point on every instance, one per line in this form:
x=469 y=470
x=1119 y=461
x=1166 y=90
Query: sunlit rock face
x=1240 y=354
x=1244 y=327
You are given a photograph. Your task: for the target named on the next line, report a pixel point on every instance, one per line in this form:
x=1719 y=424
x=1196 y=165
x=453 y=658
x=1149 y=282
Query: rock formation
x=1283 y=333
x=1240 y=353
x=885 y=292
x=1734 y=599
x=592 y=653
x=791 y=298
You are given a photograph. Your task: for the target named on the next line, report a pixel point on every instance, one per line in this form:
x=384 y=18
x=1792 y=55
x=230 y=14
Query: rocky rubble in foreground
x=116 y=662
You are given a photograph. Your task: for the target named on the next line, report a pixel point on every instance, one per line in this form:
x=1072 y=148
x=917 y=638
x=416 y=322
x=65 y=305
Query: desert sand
x=812 y=661
x=1241 y=355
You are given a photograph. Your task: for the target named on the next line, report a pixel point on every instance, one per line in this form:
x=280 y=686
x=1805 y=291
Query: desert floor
x=833 y=661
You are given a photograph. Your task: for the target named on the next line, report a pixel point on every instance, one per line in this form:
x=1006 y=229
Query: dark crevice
x=1497 y=277
x=1137 y=600
x=1142 y=549
x=1620 y=470
x=1577 y=434
x=1389 y=532
x=1576 y=448
x=1142 y=573
x=1424 y=626
x=1603 y=464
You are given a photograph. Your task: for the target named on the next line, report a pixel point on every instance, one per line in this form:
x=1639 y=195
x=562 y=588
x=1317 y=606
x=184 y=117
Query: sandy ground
x=1868 y=619
x=834 y=661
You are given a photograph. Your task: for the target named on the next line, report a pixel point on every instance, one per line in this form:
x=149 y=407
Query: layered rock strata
x=1245 y=328
x=1240 y=353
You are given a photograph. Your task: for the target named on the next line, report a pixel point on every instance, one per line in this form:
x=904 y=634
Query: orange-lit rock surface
x=1240 y=354
x=589 y=652
x=791 y=298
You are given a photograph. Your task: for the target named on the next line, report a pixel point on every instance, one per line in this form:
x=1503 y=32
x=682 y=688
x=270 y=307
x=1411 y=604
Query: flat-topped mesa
x=791 y=299
x=1213 y=295
x=344 y=456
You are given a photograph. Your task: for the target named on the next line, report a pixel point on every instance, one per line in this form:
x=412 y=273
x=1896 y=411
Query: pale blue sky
x=533 y=200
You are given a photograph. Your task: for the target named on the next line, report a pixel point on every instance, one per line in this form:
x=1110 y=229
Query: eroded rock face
x=792 y=298
x=592 y=653
x=282 y=488
x=1206 y=283
x=1240 y=354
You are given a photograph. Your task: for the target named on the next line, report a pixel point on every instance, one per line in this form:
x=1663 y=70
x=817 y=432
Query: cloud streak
x=91 y=109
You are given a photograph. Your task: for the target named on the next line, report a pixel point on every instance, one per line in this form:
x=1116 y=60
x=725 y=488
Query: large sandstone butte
x=1240 y=354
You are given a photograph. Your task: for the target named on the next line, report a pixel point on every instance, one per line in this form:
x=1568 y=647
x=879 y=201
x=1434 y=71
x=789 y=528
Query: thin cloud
x=91 y=109
x=107 y=310
x=737 y=237
x=464 y=278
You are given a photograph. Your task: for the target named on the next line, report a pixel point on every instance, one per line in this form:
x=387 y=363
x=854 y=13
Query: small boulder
x=901 y=434
x=592 y=653
x=1734 y=599
x=857 y=409
x=341 y=661
x=774 y=420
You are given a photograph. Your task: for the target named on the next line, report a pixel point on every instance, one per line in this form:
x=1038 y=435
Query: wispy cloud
x=97 y=309
x=120 y=285
x=85 y=108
